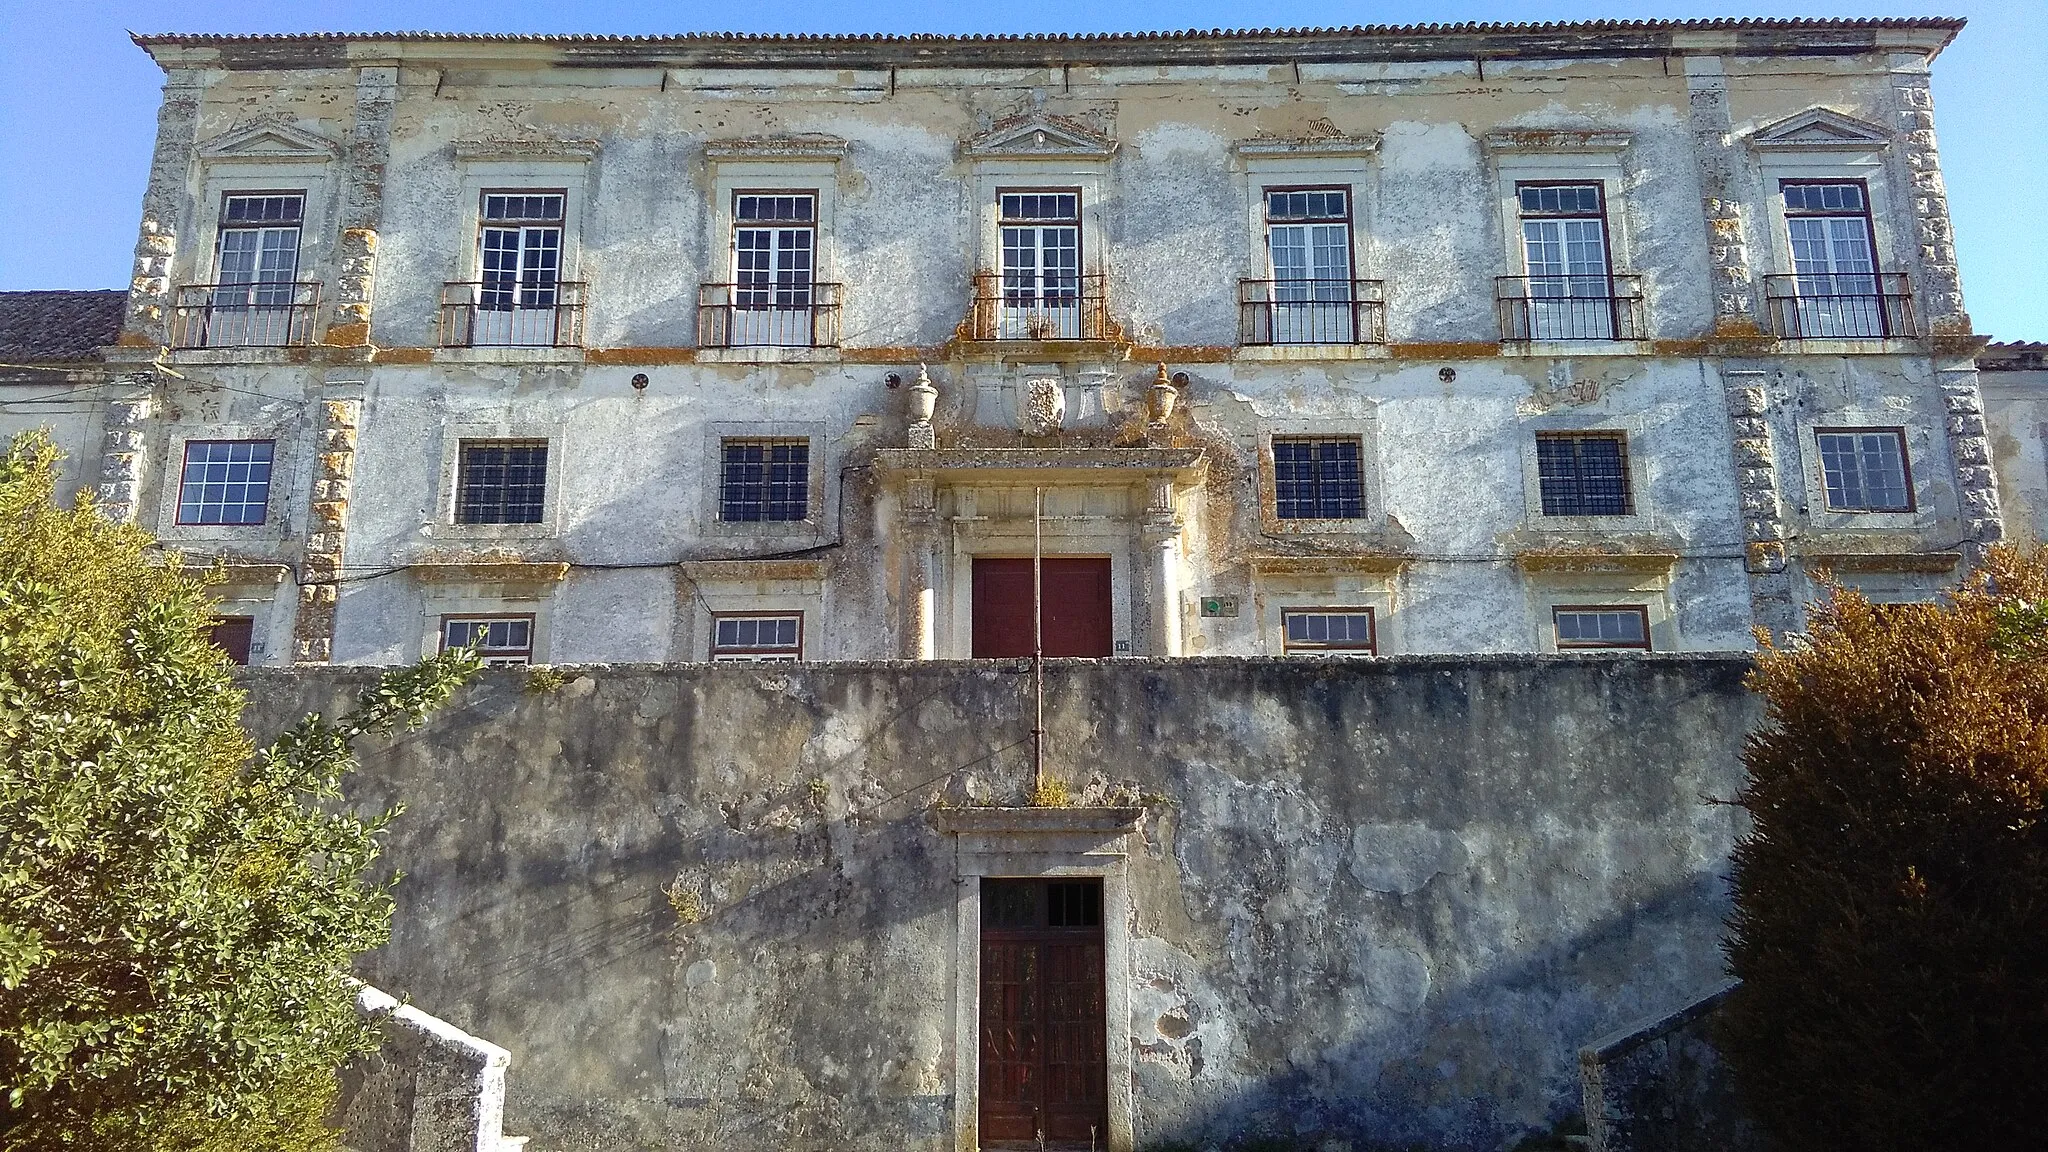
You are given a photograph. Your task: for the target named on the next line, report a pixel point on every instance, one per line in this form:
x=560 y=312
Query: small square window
x=501 y=482
x=1318 y=479
x=1602 y=626
x=1346 y=631
x=1584 y=473
x=225 y=482
x=502 y=641
x=764 y=480
x=233 y=635
x=1865 y=469
x=769 y=639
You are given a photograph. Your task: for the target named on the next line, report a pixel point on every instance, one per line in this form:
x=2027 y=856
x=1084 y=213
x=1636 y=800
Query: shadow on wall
x=1379 y=904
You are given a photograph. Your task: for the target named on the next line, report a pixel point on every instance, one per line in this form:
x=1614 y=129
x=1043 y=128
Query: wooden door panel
x=1076 y=599
x=1043 y=1027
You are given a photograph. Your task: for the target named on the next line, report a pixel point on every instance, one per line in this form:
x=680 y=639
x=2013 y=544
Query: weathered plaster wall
x=1371 y=902
x=2016 y=409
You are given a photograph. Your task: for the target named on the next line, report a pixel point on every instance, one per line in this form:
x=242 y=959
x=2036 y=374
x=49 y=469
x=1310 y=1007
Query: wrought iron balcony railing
x=768 y=316
x=511 y=313
x=1311 y=312
x=1569 y=307
x=1839 y=306
x=1009 y=306
x=257 y=315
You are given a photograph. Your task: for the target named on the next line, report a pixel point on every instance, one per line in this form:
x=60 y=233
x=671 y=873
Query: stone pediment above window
x=517 y=149
x=1820 y=128
x=799 y=146
x=1039 y=137
x=1557 y=140
x=270 y=138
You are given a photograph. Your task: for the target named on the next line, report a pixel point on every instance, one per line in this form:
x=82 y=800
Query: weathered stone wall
x=1382 y=901
x=430 y=1087
x=1663 y=1086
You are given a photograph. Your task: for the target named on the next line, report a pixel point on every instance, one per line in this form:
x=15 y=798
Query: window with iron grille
x=1335 y=630
x=764 y=480
x=501 y=482
x=1602 y=626
x=774 y=638
x=1584 y=473
x=225 y=482
x=1865 y=469
x=501 y=641
x=1318 y=479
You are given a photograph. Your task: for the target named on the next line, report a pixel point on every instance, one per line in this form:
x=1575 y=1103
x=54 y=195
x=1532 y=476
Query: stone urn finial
x=924 y=400
x=1164 y=396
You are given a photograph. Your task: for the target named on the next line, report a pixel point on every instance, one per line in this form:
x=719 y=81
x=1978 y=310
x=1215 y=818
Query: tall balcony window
x=257 y=300
x=1568 y=290
x=773 y=299
x=521 y=300
x=1041 y=292
x=1835 y=290
x=1311 y=298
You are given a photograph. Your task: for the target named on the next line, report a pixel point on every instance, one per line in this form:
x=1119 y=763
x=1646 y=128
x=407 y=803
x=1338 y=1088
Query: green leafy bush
x=178 y=910
x=1891 y=903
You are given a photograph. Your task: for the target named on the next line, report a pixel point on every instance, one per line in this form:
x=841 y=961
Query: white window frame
x=758 y=654
x=1780 y=165
x=730 y=178
x=285 y=483
x=1597 y=162
x=480 y=176
x=1067 y=174
x=1650 y=591
x=1346 y=166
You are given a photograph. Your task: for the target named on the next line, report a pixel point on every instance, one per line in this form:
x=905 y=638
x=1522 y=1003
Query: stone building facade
x=1449 y=339
x=2015 y=387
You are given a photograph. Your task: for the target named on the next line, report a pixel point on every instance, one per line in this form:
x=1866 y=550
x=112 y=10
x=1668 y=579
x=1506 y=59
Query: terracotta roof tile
x=55 y=327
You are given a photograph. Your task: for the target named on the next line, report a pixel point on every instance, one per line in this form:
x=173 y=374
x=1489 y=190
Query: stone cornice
x=1654 y=39
x=1270 y=147
x=1557 y=140
x=572 y=150
x=806 y=146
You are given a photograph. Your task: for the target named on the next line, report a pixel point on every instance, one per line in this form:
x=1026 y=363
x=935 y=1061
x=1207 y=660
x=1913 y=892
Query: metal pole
x=1037 y=640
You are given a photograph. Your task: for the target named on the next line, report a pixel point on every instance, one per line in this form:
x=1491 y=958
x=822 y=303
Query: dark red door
x=1077 y=621
x=1043 y=1029
x=232 y=635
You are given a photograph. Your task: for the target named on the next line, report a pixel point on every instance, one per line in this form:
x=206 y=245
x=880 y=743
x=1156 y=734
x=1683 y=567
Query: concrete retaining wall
x=708 y=907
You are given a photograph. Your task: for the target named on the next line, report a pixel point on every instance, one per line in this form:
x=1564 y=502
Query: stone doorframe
x=1029 y=843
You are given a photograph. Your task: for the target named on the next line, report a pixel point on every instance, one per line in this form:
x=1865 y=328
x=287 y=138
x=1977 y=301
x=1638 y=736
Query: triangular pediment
x=270 y=140
x=1039 y=136
x=1820 y=128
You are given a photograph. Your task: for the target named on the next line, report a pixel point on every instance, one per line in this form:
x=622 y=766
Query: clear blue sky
x=78 y=102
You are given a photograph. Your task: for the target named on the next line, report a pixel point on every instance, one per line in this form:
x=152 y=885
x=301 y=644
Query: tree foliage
x=178 y=909
x=1891 y=902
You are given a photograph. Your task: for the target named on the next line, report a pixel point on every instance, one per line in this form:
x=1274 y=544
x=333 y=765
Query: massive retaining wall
x=707 y=907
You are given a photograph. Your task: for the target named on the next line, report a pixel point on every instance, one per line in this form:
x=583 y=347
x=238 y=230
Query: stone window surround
x=223 y=178
x=1089 y=175
x=1652 y=591
x=1349 y=170
x=1275 y=594
x=823 y=486
x=759 y=173
x=1923 y=460
x=1366 y=430
x=1049 y=851
x=1592 y=158
x=277 y=527
x=485 y=598
x=749 y=587
x=444 y=524
x=1776 y=166
x=1634 y=428
x=478 y=176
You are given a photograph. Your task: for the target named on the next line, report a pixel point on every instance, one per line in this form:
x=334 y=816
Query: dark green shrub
x=178 y=909
x=1891 y=903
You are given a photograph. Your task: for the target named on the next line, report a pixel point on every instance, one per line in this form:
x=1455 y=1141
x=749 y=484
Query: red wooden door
x=1043 y=1029
x=1076 y=598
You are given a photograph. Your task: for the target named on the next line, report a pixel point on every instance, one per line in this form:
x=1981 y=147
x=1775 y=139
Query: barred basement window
x=1330 y=630
x=764 y=480
x=768 y=639
x=1584 y=473
x=1602 y=626
x=502 y=641
x=501 y=482
x=225 y=482
x=1865 y=469
x=1318 y=479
